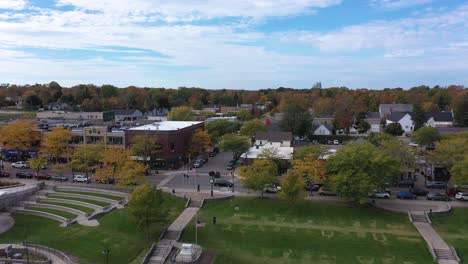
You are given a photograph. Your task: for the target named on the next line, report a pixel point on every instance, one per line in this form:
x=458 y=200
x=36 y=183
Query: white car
x=380 y=194
x=412 y=144
x=336 y=142
x=462 y=196
x=80 y=178
x=20 y=165
x=272 y=188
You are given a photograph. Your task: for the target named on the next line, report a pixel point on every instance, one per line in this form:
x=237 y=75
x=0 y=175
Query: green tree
x=244 y=115
x=315 y=151
x=250 y=128
x=148 y=148
x=394 y=129
x=418 y=116
x=219 y=128
x=182 y=113
x=359 y=168
x=451 y=152
x=236 y=144
x=86 y=158
x=37 y=164
x=262 y=172
x=461 y=111
x=200 y=142
x=146 y=205
x=292 y=187
x=378 y=138
x=459 y=172
x=296 y=120
x=426 y=136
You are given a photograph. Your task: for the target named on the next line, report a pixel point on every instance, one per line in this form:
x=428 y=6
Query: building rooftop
x=387 y=109
x=273 y=136
x=397 y=116
x=166 y=126
x=440 y=116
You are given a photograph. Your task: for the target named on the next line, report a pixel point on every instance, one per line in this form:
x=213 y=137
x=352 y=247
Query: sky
x=235 y=44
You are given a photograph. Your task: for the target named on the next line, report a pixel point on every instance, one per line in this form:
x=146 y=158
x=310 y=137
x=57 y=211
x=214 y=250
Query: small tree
x=182 y=113
x=394 y=129
x=114 y=160
x=418 y=116
x=200 y=142
x=55 y=143
x=219 y=128
x=146 y=205
x=426 y=136
x=250 y=128
x=261 y=173
x=19 y=135
x=37 y=164
x=148 y=148
x=87 y=158
x=236 y=144
x=310 y=150
x=292 y=187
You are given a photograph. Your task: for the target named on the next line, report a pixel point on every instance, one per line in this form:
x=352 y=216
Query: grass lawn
x=454 y=230
x=103 y=195
x=77 y=207
x=271 y=231
x=67 y=215
x=79 y=199
x=116 y=232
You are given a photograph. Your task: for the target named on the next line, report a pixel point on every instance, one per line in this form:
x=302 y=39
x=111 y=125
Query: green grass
x=79 y=200
x=454 y=230
x=103 y=195
x=271 y=231
x=67 y=215
x=77 y=207
x=116 y=232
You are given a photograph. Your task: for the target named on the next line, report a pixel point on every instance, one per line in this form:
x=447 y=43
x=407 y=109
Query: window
x=172 y=146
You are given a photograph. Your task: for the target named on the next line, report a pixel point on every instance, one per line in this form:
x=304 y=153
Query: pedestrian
x=198 y=188
x=173 y=190
x=214 y=220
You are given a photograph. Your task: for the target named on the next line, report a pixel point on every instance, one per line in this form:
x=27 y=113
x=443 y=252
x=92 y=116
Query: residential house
x=374 y=120
x=323 y=119
x=322 y=130
x=57 y=106
x=403 y=118
x=439 y=119
x=386 y=110
x=125 y=115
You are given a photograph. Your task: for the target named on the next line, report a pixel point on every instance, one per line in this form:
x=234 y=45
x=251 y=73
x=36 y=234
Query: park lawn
x=454 y=230
x=74 y=206
x=116 y=232
x=80 y=200
x=67 y=215
x=103 y=195
x=272 y=231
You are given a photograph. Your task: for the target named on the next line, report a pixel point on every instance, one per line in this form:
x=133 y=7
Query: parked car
x=59 y=178
x=336 y=142
x=20 y=165
x=106 y=180
x=452 y=191
x=212 y=154
x=380 y=194
x=197 y=163
x=42 y=176
x=436 y=185
x=24 y=175
x=406 y=195
x=324 y=191
x=310 y=186
x=229 y=167
x=215 y=174
x=222 y=183
x=4 y=174
x=204 y=159
x=437 y=197
x=272 y=188
x=462 y=196
x=80 y=178
x=413 y=144
x=406 y=183
x=419 y=191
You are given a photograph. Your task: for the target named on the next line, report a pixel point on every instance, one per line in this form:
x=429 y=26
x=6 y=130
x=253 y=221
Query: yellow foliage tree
x=201 y=141
x=55 y=143
x=19 y=135
x=261 y=173
x=310 y=167
x=292 y=187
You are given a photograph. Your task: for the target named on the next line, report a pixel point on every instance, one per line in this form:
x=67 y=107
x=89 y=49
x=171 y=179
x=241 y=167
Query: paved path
x=184 y=218
x=6 y=222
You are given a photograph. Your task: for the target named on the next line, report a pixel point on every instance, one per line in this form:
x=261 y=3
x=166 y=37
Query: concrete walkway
x=184 y=218
x=6 y=222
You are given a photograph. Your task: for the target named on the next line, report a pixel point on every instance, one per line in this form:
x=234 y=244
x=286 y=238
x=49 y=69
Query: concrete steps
x=445 y=254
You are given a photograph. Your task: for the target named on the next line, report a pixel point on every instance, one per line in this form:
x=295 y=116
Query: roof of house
x=165 y=126
x=274 y=136
x=387 y=109
x=327 y=126
x=283 y=152
x=440 y=116
x=397 y=116
x=373 y=115
x=451 y=130
x=124 y=111
x=325 y=116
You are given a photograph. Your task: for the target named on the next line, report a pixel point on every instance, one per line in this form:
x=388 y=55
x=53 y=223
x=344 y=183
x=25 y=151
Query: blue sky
x=238 y=44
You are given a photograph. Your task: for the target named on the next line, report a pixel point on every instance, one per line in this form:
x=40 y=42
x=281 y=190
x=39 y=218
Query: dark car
x=229 y=167
x=222 y=183
x=212 y=154
x=232 y=162
x=215 y=174
x=59 y=178
x=42 y=176
x=24 y=175
x=406 y=183
x=4 y=174
x=436 y=185
x=312 y=186
x=419 y=191
x=437 y=197
x=406 y=195
x=204 y=159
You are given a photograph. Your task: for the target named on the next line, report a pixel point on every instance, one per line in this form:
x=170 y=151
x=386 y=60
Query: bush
x=8 y=183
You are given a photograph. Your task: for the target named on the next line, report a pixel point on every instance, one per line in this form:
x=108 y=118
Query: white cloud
x=398 y=4
x=13 y=4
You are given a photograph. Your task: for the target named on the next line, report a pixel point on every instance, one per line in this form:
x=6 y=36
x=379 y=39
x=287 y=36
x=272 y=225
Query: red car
x=42 y=176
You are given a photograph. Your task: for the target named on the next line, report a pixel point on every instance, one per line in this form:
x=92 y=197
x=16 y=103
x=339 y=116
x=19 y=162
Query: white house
x=322 y=130
x=373 y=118
x=275 y=142
x=404 y=119
x=439 y=119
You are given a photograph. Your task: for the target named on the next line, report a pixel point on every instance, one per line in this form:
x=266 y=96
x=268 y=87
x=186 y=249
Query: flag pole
x=196 y=228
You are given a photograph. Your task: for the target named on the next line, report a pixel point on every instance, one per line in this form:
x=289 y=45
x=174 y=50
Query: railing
x=96 y=186
x=431 y=250
x=53 y=251
x=188 y=201
x=410 y=217
x=454 y=252
x=148 y=254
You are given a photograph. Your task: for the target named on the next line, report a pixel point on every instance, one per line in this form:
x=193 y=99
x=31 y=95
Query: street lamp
x=106 y=252
x=211 y=181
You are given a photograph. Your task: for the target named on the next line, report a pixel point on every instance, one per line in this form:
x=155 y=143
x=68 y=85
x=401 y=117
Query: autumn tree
x=55 y=143
x=146 y=205
x=200 y=142
x=37 y=163
x=236 y=144
x=244 y=115
x=452 y=152
x=459 y=172
x=132 y=173
x=360 y=168
x=262 y=172
x=19 y=135
x=182 y=113
x=292 y=187
x=86 y=158
x=315 y=151
x=297 y=120
x=113 y=160
x=148 y=148
x=250 y=128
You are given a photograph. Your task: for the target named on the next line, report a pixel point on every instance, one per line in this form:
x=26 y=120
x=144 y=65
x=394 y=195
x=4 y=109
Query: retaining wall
x=10 y=199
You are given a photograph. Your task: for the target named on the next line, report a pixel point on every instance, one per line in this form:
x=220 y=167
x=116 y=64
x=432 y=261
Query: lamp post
x=106 y=252
x=211 y=181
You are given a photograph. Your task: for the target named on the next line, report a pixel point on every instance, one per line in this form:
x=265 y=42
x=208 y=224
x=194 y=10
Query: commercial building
x=107 y=135
x=96 y=118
